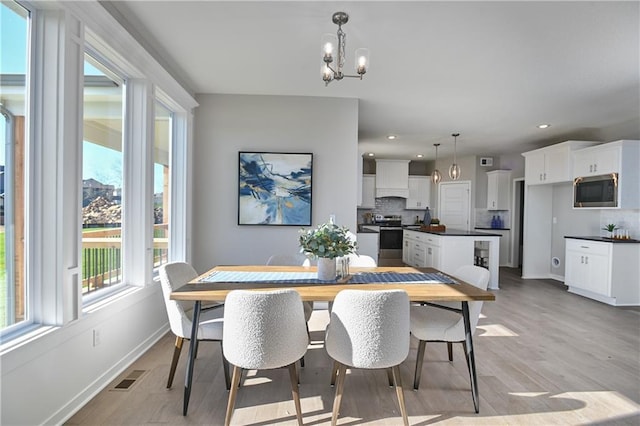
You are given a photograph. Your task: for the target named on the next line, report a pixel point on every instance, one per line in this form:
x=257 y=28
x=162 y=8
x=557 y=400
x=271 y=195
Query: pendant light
x=454 y=169
x=436 y=177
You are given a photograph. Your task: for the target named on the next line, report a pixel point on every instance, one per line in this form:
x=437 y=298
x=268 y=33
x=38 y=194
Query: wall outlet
x=96 y=338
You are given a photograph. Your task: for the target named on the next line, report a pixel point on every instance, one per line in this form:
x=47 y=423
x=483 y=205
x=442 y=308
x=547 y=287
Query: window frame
x=59 y=35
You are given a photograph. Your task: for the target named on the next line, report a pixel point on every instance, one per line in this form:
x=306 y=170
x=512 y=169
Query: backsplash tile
x=484 y=217
x=387 y=206
x=624 y=219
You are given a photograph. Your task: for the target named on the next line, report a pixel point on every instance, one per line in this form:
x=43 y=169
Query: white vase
x=326 y=269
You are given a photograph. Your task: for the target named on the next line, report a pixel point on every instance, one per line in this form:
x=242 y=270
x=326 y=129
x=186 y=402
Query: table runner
x=275 y=277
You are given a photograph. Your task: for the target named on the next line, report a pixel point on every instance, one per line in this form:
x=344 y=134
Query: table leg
x=192 y=356
x=471 y=361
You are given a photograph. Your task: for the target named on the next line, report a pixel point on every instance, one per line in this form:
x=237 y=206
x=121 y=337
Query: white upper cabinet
x=368 y=192
x=598 y=160
x=392 y=178
x=551 y=164
x=499 y=190
x=620 y=157
x=419 y=192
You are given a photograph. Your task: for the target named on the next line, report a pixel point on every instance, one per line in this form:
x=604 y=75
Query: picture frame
x=275 y=188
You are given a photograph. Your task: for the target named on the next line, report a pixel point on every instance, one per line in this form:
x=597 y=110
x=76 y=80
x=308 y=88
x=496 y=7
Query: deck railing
x=101 y=256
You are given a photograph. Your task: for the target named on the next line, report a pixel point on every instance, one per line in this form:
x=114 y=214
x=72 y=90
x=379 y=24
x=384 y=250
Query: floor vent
x=126 y=383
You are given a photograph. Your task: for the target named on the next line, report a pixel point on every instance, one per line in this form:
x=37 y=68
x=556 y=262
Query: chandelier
x=436 y=177
x=329 y=44
x=454 y=169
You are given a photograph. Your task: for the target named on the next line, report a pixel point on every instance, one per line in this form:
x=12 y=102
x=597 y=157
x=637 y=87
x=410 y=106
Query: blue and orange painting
x=275 y=189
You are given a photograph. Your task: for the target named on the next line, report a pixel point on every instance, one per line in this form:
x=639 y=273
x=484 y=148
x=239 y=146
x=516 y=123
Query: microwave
x=596 y=191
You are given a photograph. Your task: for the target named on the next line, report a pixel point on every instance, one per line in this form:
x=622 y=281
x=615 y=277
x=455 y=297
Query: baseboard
x=557 y=277
x=68 y=410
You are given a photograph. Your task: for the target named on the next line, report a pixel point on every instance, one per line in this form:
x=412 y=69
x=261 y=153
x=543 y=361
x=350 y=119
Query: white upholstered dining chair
x=173 y=276
x=293 y=260
x=264 y=330
x=369 y=330
x=436 y=323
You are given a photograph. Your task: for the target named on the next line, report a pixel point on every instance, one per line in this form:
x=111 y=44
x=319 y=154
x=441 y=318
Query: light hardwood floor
x=544 y=356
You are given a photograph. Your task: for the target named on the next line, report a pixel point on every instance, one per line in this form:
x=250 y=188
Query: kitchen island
x=449 y=250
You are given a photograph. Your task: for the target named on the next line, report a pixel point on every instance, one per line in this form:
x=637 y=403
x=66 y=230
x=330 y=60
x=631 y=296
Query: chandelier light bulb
x=436 y=177
x=454 y=169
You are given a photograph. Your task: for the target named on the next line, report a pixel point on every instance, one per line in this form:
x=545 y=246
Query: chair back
x=173 y=276
x=361 y=260
x=289 y=260
x=264 y=329
x=369 y=329
x=477 y=277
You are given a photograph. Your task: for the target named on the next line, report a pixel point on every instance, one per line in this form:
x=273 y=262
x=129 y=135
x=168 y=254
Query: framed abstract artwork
x=275 y=188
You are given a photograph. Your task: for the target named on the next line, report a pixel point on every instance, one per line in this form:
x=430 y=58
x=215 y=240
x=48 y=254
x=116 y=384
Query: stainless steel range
x=390 y=252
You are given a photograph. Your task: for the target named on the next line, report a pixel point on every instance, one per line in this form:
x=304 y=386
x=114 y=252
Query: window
x=102 y=181
x=14 y=66
x=161 y=180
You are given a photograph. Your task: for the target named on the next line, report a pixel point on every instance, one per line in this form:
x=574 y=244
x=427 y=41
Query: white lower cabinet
x=607 y=272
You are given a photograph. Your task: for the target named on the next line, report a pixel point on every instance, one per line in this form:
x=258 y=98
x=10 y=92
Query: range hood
x=392 y=192
x=392 y=178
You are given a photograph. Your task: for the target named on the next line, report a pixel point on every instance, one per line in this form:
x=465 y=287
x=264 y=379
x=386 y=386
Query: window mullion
x=137 y=221
x=54 y=241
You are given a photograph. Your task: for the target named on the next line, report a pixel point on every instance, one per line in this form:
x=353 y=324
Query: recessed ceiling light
x=544 y=126
x=419 y=155
x=370 y=154
x=391 y=137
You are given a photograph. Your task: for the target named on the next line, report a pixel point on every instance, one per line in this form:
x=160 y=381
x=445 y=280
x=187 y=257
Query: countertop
x=492 y=229
x=366 y=231
x=606 y=240
x=458 y=233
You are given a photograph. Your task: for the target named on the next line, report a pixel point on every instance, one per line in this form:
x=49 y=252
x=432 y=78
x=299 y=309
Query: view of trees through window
x=14 y=24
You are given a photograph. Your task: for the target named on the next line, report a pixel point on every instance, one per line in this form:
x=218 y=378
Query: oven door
x=390 y=242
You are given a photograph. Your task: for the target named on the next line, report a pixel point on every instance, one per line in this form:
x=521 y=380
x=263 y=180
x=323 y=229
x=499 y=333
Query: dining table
x=423 y=285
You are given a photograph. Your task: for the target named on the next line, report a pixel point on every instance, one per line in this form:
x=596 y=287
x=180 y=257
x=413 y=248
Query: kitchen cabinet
x=449 y=251
x=368 y=244
x=392 y=178
x=603 y=271
x=499 y=190
x=419 y=192
x=620 y=157
x=597 y=160
x=505 y=249
x=368 y=192
x=552 y=164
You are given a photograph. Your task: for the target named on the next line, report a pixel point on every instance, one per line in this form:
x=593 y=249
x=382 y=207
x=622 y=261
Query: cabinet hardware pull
x=581 y=259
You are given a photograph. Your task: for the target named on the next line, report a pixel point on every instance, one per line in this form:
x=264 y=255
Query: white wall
x=46 y=379
x=226 y=124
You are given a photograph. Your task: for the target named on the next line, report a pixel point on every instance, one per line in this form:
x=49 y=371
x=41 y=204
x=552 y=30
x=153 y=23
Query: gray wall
x=226 y=124
x=569 y=221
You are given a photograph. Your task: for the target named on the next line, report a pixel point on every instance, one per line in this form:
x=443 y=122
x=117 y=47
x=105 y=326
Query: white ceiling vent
x=486 y=161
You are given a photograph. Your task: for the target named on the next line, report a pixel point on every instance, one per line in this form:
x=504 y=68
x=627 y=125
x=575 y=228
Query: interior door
x=453 y=205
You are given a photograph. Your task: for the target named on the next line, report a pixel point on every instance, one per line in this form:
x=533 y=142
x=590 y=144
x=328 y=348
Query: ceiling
x=491 y=71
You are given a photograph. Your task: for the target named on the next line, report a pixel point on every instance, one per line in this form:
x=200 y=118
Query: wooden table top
x=217 y=291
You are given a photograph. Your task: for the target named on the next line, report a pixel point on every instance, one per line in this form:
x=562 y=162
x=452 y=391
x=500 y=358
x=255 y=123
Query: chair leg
x=390 y=377
x=174 y=361
x=338 y=398
x=419 y=359
x=233 y=392
x=450 y=350
x=334 y=373
x=225 y=368
x=400 y=393
x=293 y=375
